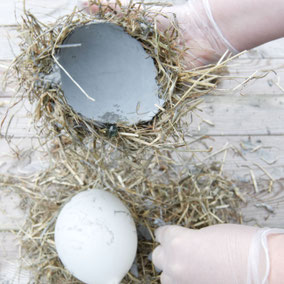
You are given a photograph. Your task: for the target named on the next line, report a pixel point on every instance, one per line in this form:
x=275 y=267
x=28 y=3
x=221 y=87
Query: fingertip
x=160 y=232
x=85 y=5
x=158 y=258
x=94 y=9
x=82 y=4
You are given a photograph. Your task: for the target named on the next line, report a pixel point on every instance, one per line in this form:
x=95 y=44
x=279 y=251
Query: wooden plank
x=45 y=10
x=242 y=154
x=12 y=216
x=21 y=156
x=9 y=42
x=253 y=77
x=10 y=270
x=246 y=66
x=18 y=127
x=18 y=157
x=15 y=118
x=8 y=10
x=239 y=115
x=7 y=90
x=10 y=16
x=265 y=209
x=273 y=49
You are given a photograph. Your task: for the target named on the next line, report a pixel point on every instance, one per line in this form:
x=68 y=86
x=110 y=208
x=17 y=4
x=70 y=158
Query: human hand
x=218 y=254
x=199 y=33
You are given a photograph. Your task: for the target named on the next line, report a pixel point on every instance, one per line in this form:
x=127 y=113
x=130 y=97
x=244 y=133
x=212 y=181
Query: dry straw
x=152 y=167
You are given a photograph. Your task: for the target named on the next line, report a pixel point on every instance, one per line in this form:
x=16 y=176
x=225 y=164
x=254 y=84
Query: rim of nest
x=181 y=88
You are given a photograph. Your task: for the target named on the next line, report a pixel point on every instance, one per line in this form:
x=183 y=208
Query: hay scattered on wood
x=152 y=167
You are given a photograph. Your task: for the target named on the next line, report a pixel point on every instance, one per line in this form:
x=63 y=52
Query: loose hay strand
x=140 y=164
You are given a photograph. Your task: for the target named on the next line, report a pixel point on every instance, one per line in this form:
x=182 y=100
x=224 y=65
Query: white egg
x=95 y=237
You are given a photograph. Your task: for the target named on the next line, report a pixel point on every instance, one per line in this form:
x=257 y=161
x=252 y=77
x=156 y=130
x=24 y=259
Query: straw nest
x=152 y=167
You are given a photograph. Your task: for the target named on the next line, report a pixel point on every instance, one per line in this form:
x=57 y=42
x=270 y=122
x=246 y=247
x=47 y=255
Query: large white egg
x=95 y=237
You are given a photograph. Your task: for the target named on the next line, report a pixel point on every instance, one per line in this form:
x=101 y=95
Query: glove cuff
x=258 y=258
x=207 y=8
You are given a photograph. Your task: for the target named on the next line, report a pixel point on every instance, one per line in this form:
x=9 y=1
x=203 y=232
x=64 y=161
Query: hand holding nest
x=209 y=28
x=199 y=34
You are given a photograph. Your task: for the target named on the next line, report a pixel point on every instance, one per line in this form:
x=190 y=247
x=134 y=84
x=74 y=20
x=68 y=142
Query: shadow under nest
x=153 y=167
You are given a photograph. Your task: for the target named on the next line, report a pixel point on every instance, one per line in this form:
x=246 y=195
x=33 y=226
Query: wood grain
x=15 y=118
x=10 y=267
x=264 y=209
x=12 y=216
x=239 y=115
x=45 y=10
x=9 y=42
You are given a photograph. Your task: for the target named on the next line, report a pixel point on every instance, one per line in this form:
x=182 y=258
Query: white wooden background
x=245 y=122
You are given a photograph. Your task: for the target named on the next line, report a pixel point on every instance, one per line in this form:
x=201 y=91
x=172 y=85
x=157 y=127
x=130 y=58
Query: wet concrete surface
x=113 y=68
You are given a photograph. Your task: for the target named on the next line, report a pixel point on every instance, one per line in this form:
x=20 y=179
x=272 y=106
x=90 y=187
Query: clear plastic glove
x=200 y=34
x=219 y=254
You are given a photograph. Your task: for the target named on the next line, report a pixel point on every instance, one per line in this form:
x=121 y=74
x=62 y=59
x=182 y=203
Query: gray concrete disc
x=113 y=68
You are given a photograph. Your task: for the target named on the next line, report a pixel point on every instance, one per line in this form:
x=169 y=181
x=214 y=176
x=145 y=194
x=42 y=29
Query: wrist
x=276 y=256
x=247 y=24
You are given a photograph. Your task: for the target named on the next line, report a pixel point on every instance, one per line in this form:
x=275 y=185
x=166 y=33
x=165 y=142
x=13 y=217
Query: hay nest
x=152 y=167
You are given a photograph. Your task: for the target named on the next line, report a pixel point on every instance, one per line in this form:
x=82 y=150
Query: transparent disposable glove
x=200 y=34
x=219 y=254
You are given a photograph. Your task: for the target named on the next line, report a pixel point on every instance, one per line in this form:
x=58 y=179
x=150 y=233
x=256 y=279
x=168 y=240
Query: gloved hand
x=219 y=254
x=199 y=31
